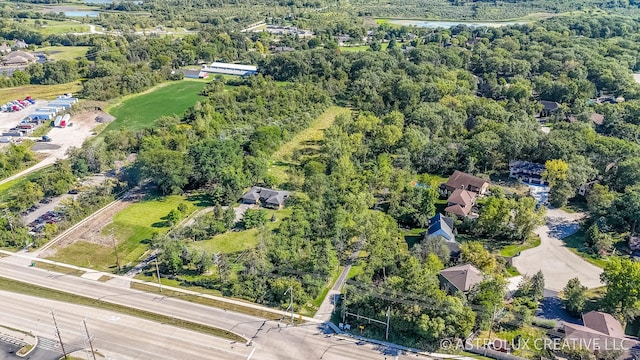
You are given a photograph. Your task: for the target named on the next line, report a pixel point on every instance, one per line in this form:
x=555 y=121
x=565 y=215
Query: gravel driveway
x=557 y=262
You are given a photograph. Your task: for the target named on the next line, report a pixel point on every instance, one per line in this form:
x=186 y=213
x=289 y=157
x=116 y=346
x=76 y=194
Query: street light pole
x=158 y=274
x=290 y=291
x=386 y=334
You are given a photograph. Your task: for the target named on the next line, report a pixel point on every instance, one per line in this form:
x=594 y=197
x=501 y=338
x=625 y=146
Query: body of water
x=81 y=13
x=432 y=24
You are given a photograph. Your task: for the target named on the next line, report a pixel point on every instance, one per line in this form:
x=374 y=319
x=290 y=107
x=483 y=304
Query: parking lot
x=10 y=120
x=62 y=139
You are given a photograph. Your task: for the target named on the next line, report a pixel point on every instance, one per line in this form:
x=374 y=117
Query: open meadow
x=143 y=110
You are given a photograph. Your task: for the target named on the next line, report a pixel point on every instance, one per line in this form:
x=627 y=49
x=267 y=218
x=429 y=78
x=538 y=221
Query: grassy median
x=39 y=291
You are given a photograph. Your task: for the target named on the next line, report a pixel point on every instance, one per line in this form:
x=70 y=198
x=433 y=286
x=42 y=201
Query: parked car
x=45 y=201
x=73 y=191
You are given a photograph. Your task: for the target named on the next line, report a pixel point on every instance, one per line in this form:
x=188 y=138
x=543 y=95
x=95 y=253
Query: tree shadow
x=201 y=200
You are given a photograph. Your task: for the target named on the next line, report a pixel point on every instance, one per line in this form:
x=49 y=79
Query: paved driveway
x=557 y=262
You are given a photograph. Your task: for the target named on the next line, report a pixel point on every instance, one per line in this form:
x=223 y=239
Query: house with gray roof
x=442 y=226
x=269 y=198
x=460 y=278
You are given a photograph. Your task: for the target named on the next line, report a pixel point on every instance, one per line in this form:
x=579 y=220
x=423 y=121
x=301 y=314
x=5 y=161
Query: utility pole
x=64 y=353
x=93 y=353
x=386 y=335
x=493 y=318
x=344 y=306
x=115 y=248
x=158 y=274
x=290 y=291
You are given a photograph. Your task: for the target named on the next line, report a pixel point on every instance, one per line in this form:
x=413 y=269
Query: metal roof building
x=230 y=69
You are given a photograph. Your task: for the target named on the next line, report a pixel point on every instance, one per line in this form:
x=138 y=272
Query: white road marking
x=250 y=355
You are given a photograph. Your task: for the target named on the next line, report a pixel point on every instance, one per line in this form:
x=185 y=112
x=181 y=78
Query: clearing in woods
x=65 y=52
x=307 y=141
x=143 y=110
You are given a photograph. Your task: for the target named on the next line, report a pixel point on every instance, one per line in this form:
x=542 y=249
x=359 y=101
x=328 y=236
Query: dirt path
x=557 y=262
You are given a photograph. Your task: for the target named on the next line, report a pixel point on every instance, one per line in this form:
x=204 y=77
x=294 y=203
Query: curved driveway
x=557 y=262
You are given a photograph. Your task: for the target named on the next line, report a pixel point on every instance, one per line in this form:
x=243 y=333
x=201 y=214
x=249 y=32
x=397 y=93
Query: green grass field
x=237 y=241
x=142 y=110
x=46 y=92
x=51 y=27
x=64 y=52
x=132 y=227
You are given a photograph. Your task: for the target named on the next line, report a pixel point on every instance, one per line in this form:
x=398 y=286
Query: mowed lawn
x=46 y=92
x=237 y=241
x=132 y=227
x=65 y=52
x=143 y=110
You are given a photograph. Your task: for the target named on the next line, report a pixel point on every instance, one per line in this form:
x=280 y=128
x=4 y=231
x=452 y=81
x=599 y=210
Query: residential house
x=281 y=49
x=17 y=58
x=20 y=44
x=460 y=278
x=585 y=188
x=442 y=226
x=4 y=48
x=600 y=331
x=528 y=172
x=273 y=199
x=549 y=108
x=464 y=181
x=460 y=203
x=343 y=40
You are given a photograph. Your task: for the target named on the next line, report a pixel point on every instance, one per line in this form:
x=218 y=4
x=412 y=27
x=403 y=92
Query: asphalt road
x=269 y=339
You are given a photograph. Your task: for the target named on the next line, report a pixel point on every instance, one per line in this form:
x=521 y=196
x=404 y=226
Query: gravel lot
x=62 y=140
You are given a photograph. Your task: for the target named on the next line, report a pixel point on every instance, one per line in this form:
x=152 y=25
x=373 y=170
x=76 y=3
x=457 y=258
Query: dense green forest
x=434 y=101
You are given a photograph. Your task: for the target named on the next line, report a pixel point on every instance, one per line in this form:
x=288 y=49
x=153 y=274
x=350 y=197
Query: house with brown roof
x=597 y=119
x=460 y=202
x=464 y=181
x=17 y=58
x=460 y=278
x=600 y=331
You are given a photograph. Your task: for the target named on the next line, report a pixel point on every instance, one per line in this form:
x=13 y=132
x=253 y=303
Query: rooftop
x=461 y=180
x=462 y=277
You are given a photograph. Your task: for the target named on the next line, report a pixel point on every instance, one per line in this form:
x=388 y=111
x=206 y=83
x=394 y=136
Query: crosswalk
x=48 y=344
x=12 y=340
